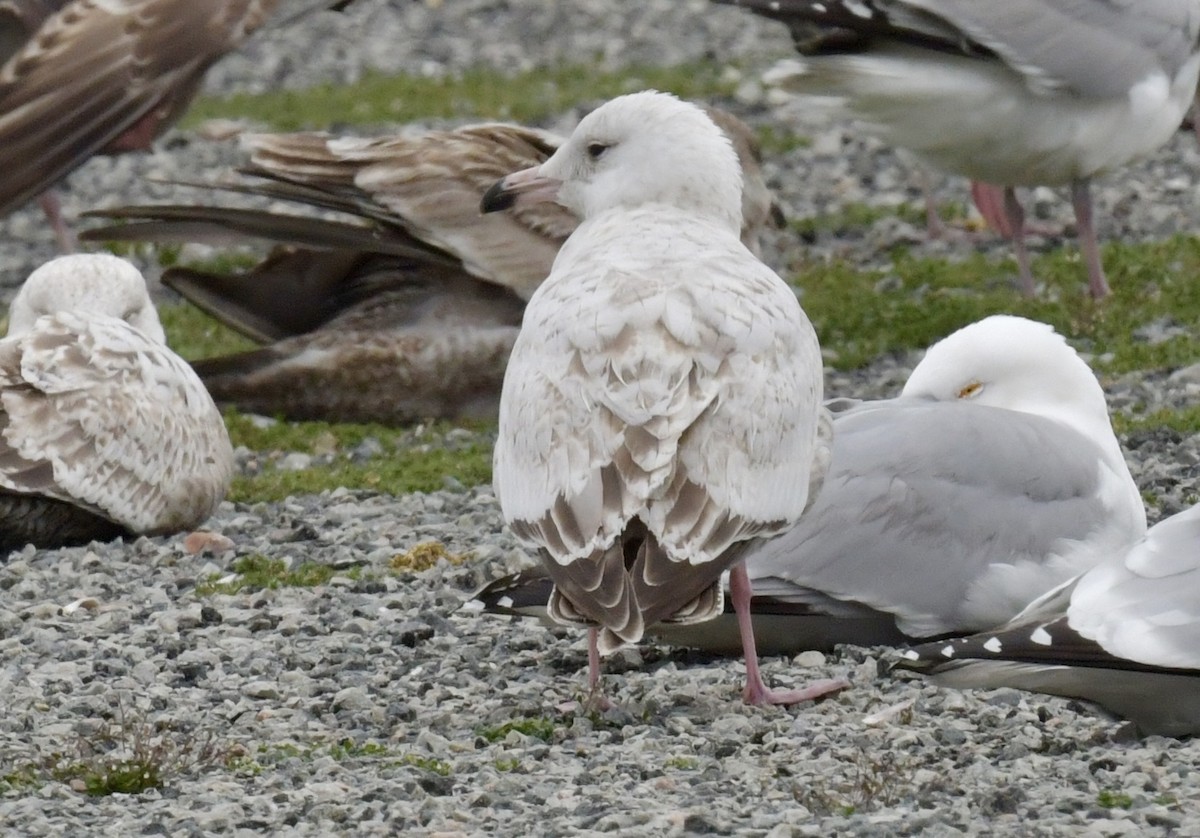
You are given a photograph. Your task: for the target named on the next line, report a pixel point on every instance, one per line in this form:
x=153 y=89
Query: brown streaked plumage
x=661 y=407
x=104 y=431
x=406 y=312
x=82 y=77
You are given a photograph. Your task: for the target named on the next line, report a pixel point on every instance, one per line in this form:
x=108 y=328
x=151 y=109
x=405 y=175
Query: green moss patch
x=527 y=97
x=861 y=315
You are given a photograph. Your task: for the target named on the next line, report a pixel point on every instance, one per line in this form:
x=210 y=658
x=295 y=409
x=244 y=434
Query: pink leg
x=935 y=228
x=593 y=658
x=52 y=207
x=756 y=691
x=1016 y=219
x=989 y=200
x=596 y=699
x=1081 y=199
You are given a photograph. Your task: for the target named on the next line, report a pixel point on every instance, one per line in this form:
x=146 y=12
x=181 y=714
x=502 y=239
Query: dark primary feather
x=786 y=620
x=49 y=523
x=1159 y=700
x=831 y=27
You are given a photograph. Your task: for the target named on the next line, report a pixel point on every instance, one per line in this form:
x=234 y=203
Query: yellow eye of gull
x=970 y=390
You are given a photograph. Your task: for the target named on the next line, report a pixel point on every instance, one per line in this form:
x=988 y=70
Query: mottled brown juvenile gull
x=81 y=77
x=104 y=431
x=1015 y=93
x=409 y=316
x=992 y=478
x=662 y=405
x=1125 y=634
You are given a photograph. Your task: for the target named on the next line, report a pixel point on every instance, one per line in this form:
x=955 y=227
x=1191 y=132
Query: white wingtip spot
x=993 y=645
x=911 y=655
x=88 y=603
x=948 y=651
x=1041 y=637
x=505 y=602
x=858 y=9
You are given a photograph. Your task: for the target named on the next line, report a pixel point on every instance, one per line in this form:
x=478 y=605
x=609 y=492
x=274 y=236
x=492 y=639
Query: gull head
x=639 y=149
x=1017 y=364
x=86 y=283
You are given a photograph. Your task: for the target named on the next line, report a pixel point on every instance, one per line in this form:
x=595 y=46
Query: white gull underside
x=1146 y=607
x=1125 y=634
x=982 y=120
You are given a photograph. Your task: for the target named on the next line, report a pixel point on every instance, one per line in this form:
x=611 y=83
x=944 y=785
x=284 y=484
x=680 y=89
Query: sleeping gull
x=407 y=316
x=106 y=432
x=1125 y=634
x=662 y=404
x=1018 y=93
x=993 y=477
x=80 y=77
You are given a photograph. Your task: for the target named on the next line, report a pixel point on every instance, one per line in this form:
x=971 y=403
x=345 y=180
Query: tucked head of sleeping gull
x=105 y=431
x=662 y=405
x=92 y=283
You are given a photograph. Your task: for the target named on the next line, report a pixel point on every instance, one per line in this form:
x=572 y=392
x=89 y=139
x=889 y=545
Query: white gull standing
x=1125 y=635
x=1014 y=93
x=104 y=431
x=993 y=477
x=662 y=405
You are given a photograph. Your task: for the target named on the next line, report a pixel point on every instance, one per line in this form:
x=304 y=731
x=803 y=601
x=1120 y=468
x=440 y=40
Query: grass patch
x=421 y=458
x=193 y=334
x=1185 y=421
x=404 y=472
x=481 y=93
x=537 y=728
x=857 y=216
x=777 y=140
x=869 y=782
x=1114 y=800
x=345 y=750
x=682 y=763
x=130 y=756
x=258 y=572
x=860 y=315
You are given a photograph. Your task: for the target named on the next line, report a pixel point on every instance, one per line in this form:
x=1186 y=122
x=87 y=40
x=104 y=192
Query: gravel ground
x=373 y=705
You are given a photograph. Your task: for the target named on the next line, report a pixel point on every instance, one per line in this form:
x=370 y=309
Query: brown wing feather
x=87 y=405
x=95 y=70
x=432 y=183
x=368 y=375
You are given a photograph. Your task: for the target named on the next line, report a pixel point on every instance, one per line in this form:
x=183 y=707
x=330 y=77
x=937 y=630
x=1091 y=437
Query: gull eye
x=970 y=390
x=596 y=150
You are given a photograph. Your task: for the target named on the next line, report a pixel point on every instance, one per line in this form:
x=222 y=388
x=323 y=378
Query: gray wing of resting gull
x=403 y=307
x=1020 y=93
x=1125 y=635
x=940 y=514
x=929 y=524
x=105 y=431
